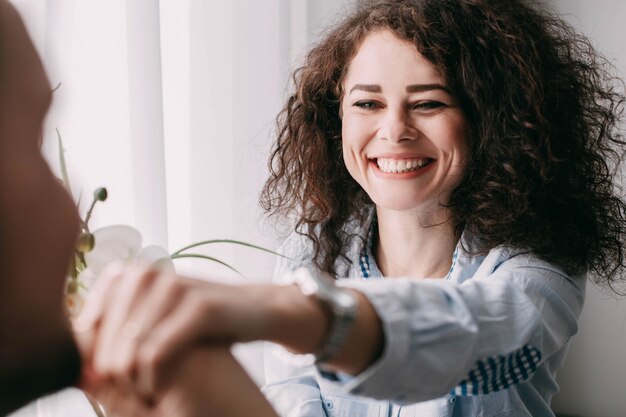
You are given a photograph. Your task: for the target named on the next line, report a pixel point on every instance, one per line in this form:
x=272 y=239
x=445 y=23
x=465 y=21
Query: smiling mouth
x=399 y=166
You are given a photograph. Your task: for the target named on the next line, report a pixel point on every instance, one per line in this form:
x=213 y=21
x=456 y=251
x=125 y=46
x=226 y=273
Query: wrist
x=365 y=342
x=296 y=321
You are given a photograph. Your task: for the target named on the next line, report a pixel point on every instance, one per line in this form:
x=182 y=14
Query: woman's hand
x=138 y=323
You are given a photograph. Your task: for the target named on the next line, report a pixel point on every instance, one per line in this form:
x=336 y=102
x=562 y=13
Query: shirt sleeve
x=484 y=335
x=290 y=382
x=291 y=388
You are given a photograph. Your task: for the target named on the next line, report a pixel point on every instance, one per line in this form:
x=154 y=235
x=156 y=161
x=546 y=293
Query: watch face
x=320 y=285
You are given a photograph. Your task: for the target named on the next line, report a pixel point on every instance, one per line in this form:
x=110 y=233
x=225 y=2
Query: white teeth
x=402 y=165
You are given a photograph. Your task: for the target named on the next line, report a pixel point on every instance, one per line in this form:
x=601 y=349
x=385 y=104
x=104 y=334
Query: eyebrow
x=370 y=88
x=414 y=88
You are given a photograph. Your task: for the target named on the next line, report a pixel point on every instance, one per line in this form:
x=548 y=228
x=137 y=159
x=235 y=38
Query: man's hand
x=209 y=382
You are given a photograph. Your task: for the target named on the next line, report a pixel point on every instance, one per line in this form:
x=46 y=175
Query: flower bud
x=100 y=194
x=72 y=286
x=86 y=242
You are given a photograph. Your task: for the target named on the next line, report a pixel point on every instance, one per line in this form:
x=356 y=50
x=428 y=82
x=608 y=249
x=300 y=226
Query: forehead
x=383 y=57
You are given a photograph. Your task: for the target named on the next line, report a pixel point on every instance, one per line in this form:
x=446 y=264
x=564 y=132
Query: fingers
x=112 y=322
x=98 y=297
x=164 y=296
x=118 y=402
x=138 y=325
x=137 y=318
x=120 y=328
x=85 y=325
x=169 y=341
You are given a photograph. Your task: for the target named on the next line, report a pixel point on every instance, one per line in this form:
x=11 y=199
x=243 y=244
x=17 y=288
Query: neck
x=414 y=244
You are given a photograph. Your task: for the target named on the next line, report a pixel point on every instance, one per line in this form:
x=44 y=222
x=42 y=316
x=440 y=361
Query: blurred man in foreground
x=38 y=226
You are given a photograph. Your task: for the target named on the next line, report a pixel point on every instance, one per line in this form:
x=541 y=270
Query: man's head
x=38 y=226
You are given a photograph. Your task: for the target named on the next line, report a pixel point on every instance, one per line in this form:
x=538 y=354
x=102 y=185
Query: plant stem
x=88 y=216
x=208 y=258
x=235 y=242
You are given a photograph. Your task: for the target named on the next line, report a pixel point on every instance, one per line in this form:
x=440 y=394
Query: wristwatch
x=341 y=304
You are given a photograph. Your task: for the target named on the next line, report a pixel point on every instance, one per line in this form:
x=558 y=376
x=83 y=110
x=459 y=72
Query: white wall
x=593 y=380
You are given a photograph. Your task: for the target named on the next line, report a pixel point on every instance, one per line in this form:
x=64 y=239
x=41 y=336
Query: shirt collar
x=367 y=267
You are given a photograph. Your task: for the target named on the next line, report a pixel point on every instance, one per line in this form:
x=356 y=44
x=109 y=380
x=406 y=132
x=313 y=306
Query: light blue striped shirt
x=486 y=341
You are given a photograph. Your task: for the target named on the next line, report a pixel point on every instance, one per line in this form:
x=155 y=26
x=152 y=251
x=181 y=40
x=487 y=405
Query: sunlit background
x=171 y=106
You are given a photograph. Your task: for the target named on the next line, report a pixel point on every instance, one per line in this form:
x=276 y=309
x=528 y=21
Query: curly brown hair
x=545 y=143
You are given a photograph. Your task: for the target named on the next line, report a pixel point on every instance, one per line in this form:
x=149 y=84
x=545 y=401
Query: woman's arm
x=300 y=323
x=487 y=334
x=138 y=320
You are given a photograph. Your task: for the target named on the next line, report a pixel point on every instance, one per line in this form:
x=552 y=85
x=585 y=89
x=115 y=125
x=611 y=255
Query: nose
x=396 y=126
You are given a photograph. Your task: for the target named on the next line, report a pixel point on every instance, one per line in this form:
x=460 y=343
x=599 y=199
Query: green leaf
x=65 y=177
x=235 y=242
x=208 y=258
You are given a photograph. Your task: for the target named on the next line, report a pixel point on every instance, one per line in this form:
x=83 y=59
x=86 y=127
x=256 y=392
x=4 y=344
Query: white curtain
x=170 y=105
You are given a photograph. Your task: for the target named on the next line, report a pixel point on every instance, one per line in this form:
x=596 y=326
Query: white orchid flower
x=120 y=243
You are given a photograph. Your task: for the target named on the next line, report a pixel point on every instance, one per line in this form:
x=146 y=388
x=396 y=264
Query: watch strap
x=340 y=303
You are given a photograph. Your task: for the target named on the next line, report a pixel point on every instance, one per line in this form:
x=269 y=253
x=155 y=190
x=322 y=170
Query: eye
x=428 y=106
x=367 y=104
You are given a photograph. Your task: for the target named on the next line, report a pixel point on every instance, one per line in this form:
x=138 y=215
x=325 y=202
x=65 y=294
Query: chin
x=407 y=203
x=396 y=204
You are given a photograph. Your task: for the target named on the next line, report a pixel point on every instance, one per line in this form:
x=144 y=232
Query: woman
x=465 y=151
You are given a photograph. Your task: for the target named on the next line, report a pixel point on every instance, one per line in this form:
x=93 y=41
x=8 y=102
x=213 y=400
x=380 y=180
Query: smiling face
x=404 y=136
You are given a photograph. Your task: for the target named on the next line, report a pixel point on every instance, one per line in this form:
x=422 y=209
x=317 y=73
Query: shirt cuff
x=377 y=379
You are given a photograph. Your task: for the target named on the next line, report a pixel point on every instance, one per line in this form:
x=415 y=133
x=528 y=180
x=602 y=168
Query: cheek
x=354 y=140
x=355 y=132
x=349 y=158
x=459 y=144
x=351 y=161
x=462 y=146
x=455 y=131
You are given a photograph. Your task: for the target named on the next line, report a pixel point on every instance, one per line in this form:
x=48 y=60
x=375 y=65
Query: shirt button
x=329 y=404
